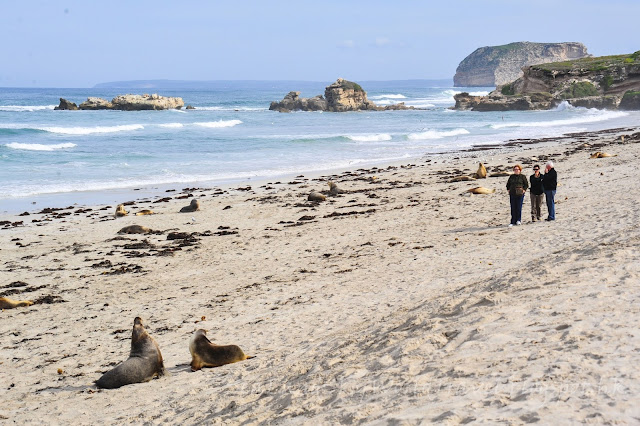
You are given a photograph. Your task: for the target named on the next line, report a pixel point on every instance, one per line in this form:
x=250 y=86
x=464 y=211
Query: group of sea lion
x=333 y=191
x=145 y=360
x=139 y=229
x=481 y=173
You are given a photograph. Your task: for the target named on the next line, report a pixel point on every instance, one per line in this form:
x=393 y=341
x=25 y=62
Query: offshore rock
x=497 y=65
x=341 y=96
x=607 y=82
x=133 y=103
x=66 y=105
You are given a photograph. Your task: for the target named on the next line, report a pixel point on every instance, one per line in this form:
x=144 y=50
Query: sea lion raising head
x=333 y=188
x=134 y=229
x=481 y=190
x=120 y=211
x=192 y=207
x=6 y=303
x=207 y=354
x=481 y=173
x=144 y=362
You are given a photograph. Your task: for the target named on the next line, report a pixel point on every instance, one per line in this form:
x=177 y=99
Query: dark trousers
x=516 y=208
x=550 y=195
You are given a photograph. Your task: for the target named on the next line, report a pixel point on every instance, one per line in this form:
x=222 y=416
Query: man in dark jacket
x=550 y=183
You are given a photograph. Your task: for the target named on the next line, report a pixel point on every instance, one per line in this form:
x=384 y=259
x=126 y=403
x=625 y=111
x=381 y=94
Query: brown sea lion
x=333 y=189
x=314 y=196
x=120 y=211
x=481 y=173
x=134 y=229
x=207 y=354
x=144 y=362
x=463 y=178
x=144 y=212
x=6 y=303
x=192 y=207
x=599 y=154
x=481 y=190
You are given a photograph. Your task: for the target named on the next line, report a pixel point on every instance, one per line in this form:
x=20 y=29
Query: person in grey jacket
x=517 y=185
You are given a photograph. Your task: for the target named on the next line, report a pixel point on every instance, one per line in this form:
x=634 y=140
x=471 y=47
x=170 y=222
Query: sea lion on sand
x=144 y=212
x=481 y=173
x=143 y=364
x=134 y=229
x=207 y=354
x=6 y=303
x=500 y=174
x=333 y=189
x=463 y=178
x=314 y=196
x=120 y=211
x=481 y=190
x=192 y=207
x=599 y=154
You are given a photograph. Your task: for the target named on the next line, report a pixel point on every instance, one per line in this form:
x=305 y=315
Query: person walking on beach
x=517 y=185
x=550 y=183
x=537 y=193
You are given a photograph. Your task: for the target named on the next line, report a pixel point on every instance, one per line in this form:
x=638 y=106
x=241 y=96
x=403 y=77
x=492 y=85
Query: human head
x=549 y=165
x=517 y=168
x=536 y=167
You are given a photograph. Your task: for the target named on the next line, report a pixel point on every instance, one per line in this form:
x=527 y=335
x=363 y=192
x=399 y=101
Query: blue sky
x=82 y=43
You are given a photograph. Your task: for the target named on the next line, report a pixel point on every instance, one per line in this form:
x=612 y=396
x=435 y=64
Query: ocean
x=57 y=158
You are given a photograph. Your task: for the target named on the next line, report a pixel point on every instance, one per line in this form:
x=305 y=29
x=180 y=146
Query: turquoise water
x=232 y=136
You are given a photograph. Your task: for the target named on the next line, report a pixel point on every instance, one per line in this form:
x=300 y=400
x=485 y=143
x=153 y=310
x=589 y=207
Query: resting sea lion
x=192 y=207
x=144 y=212
x=481 y=173
x=333 y=189
x=143 y=364
x=120 y=211
x=461 y=179
x=500 y=174
x=314 y=196
x=599 y=154
x=207 y=354
x=481 y=190
x=6 y=303
x=134 y=229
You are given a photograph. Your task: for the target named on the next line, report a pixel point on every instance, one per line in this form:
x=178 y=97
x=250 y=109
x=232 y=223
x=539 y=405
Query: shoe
x=518 y=223
x=549 y=219
x=510 y=225
x=533 y=219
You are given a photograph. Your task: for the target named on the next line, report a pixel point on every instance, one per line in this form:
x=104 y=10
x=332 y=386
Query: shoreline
x=402 y=299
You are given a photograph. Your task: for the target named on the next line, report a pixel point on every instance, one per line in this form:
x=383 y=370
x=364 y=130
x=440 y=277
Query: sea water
x=61 y=157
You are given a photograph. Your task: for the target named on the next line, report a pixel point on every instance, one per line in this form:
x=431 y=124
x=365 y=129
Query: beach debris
x=192 y=207
x=462 y=178
x=599 y=154
x=120 y=211
x=135 y=229
x=6 y=303
x=500 y=174
x=314 y=196
x=481 y=190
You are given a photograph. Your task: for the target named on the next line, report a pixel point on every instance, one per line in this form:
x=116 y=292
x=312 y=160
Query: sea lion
x=481 y=190
x=192 y=207
x=599 y=154
x=481 y=173
x=144 y=362
x=333 y=189
x=120 y=211
x=314 y=196
x=134 y=229
x=500 y=174
x=463 y=178
x=6 y=303
x=207 y=354
x=144 y=212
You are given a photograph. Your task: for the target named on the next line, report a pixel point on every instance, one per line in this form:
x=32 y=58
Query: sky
x=77 y=44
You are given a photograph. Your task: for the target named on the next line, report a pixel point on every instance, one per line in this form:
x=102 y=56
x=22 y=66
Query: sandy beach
x=402 y=300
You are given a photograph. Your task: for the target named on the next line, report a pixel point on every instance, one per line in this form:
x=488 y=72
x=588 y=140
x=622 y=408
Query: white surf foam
x=370 y=138
x=437 y=134
x=171 y=125
x=592 y=116
x=39 y=147
x=220 y=123
x=398 y=96
x=25 y=108
x=91 y=130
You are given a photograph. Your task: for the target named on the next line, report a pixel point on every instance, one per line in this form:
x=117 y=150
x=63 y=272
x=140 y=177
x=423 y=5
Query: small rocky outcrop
x=66 y=105
x=126 y=103
x=608 y=82
x=497 y=65
x=341 y=96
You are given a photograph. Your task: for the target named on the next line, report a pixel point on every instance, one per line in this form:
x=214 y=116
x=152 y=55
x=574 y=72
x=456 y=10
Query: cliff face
x=607 y=82
x=497 y=65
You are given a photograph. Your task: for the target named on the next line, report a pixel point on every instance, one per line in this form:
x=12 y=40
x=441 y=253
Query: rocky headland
x=497 y=65
x=125 y=103
x=606 y=82
x=341 y=96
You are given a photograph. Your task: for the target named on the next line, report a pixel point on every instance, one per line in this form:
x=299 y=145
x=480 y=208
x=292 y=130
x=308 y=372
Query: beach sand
x=403 y=300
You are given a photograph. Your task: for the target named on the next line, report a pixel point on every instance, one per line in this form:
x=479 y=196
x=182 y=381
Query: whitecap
x=437 y=134
x=591 y=117
x=398 y=96
x=25 y=108
x=38 y=146
x=171 y=125
x=370 y=138
x=220 y=123
x=90 y=130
